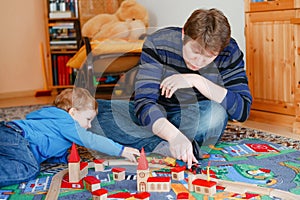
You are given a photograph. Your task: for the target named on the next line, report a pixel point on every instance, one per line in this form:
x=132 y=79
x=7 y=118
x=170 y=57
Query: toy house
x=100 y=194
x=159 y=184
x=183 y=196
x=142 y=196
x=77 y=169
x=120 y=195
x=142 y=172
x=205 y=187
x=92 y=183
x=99 y=165
x=118 y=174
x=177 y=173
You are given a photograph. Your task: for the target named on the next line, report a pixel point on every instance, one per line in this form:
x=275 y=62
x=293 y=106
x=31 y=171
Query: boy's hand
x=130 y=153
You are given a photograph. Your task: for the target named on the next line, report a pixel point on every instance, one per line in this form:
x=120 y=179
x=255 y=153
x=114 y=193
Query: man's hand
x=177 y=81
x=209 y=89
x=182 y=149
x=180 y=146
x=130 y=153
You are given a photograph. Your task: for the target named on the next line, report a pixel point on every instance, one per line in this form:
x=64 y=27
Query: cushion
x=106 y=47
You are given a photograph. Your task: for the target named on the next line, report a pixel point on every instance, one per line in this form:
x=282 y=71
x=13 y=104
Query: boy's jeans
x=17 y=163
x=204 y=121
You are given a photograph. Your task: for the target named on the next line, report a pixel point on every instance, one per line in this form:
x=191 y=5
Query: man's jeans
x=17 y=163
x=204 y=122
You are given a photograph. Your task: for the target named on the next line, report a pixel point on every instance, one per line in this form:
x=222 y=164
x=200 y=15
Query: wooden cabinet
x=272 y=30
x=63 y=36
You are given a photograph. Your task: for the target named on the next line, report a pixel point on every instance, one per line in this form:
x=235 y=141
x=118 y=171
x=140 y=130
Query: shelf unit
x=63 y=36
x=272 y=30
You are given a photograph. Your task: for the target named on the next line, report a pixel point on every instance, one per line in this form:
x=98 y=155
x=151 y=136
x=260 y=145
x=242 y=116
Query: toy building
x=120 y=195
x=182 y=196
x=202 y=186
x=77 y=169
x=159 y=184
x=142 y=196
x=99 y=165
x=177 y=173
x=142 y=172
x=92 y=183
x=100 y=194
x=118 y=173
x=145 y=183
x=205 y=187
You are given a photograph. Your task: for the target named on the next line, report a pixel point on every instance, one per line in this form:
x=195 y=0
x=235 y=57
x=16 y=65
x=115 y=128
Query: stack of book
x=62 y=75
x=63 y=9
x=62 y=35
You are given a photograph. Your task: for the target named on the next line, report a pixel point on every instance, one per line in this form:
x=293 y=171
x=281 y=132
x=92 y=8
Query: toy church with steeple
x=142 y=172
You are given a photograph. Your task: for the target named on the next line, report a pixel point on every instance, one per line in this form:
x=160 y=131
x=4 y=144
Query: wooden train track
x=54 y=188
x=231 y=186
x=241 y=187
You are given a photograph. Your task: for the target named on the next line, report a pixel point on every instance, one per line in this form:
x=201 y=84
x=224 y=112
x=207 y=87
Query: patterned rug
x=231 y=133
x=234 y=139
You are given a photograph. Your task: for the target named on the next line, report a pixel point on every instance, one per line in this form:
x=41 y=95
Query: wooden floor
x=278 y=130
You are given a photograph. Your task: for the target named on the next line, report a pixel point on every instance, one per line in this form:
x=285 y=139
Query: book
x=54 y=42
x=54 y=70
x=59 y=14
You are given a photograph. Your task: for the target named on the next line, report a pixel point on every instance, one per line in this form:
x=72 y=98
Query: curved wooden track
x=241 y=187
x=54 y=188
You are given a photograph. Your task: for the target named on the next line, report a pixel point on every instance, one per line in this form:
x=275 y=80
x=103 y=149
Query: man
x=189 y=81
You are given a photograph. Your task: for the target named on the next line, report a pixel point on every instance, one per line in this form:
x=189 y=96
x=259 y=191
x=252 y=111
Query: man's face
x=195 y=56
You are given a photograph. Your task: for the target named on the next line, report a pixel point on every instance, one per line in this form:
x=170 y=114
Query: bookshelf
x=272 y=30
x=63 y=36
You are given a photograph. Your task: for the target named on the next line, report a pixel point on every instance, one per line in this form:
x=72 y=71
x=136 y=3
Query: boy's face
x=83 y=117
x=195 y=56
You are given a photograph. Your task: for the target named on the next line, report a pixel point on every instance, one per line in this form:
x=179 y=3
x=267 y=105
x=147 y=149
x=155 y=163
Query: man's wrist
x=165 y=130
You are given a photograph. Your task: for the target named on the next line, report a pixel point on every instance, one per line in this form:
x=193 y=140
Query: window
x=165 y=186
x=152 y=186
x=206 y=190
x=158 y=186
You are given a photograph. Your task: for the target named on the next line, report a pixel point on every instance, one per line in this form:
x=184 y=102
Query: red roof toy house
x=120 y=195
x=142 y=196
x=183 y=196
x=205 y=187
x=178 y=173
x=92 y=183
x=99 y=165
x=100 y=194
x=118 y=173
x=159 y=184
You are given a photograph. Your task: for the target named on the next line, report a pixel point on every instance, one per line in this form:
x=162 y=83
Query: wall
x=22 y=30
x=175 y=12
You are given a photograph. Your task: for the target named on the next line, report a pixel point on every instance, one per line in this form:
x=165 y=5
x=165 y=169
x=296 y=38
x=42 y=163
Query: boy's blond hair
x=76 y=97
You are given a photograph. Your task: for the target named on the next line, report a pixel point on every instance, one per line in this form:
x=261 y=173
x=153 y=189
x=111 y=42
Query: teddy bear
x=129 y=22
